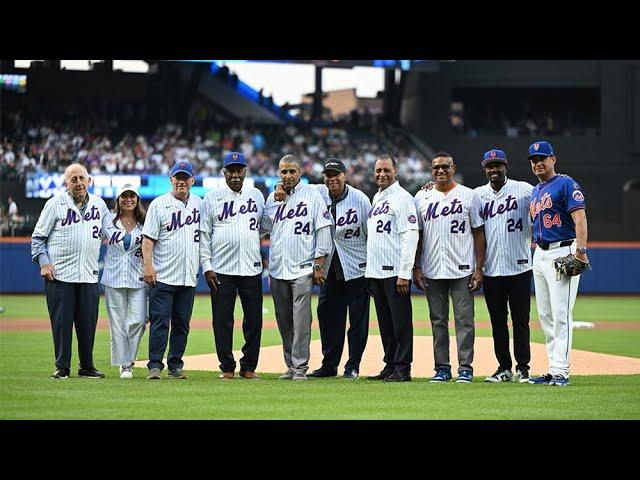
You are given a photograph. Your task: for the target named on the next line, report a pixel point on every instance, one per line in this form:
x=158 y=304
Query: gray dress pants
x=438 y=292
x=292 y=301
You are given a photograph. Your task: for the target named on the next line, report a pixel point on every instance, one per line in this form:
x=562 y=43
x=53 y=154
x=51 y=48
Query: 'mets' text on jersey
x=71 y=240
x=507 y=227
x=551 y=205
x=293 y=225
x=446 y=221
x=392 y=213
x=350 y=232
x=123 y=266
x=230 y=231
x=176 y=229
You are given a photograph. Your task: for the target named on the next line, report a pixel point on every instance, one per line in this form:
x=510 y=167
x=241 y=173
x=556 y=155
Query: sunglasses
x=435 y=168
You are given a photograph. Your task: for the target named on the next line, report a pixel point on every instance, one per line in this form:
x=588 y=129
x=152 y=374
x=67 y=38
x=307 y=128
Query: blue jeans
x=169 y=305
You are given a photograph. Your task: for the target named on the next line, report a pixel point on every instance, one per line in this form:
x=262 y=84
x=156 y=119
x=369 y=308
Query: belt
x=551 y=246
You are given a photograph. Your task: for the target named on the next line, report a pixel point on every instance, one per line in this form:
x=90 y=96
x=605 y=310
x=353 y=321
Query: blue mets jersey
x=551 y=205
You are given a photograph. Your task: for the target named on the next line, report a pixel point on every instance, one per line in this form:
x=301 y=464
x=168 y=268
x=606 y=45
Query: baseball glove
x=570 y=266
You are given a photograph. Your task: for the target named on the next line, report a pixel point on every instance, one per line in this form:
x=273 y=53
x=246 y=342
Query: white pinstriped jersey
x=176 y=229
x=446 y=222
x=123 y=267
x=230 y=231
x=350 y=231
x=293 y=226
x=507 y=227
x=72 y=240
x=392 y=213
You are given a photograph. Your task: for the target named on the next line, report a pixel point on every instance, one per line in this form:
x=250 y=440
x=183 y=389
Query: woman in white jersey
x=124 y=286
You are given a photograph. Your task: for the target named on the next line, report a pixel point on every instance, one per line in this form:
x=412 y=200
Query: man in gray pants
x=300 y=228
x=449 y=261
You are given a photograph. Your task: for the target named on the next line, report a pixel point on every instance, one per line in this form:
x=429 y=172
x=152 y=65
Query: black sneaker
x=90 y=373
x=321 y=372
x=351 y=375
x=61 y=373
x=522 y=376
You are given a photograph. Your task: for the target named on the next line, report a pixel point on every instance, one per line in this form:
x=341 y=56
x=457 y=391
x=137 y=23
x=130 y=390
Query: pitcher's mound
x=484 y=363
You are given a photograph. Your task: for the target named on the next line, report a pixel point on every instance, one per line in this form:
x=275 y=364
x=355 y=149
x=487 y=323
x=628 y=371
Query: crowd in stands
x=51 y=147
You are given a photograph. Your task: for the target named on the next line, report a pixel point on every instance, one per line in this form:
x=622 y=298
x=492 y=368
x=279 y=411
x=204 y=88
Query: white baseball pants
x=555 y=299
x=127 y=312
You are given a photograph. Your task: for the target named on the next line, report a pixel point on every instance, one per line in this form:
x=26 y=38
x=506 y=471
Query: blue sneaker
x=559 y=381
x=442 y=375
x=541 y=380
x=465 y=376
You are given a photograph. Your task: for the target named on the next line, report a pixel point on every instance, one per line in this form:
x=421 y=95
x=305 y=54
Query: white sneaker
x=126 y=372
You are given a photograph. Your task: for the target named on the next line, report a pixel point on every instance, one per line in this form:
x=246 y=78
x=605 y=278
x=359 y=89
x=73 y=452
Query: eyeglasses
x=435 y=168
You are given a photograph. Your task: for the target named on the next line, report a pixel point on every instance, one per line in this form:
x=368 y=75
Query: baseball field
x=605 y=380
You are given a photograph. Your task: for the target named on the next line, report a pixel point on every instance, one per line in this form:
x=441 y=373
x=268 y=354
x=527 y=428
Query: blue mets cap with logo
x=540 y=148
x=234 y=158
x=184 y=167
x=494 y=155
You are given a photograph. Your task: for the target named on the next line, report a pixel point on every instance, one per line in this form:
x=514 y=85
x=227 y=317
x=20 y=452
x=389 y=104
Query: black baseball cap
x=335 y=165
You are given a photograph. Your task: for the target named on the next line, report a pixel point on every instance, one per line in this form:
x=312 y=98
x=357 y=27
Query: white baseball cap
x=127 y=187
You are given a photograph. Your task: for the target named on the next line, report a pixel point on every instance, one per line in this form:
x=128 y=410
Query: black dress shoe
x=322 y=373
x=398 y=377
x=61 y=373
x=90 y=373
x=382 y=375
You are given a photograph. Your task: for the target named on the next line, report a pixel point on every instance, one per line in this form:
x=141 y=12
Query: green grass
x=587 y=308
x=27 y=392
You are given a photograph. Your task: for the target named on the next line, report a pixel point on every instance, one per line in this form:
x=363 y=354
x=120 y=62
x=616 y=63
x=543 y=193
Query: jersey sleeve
x=365 y=208
x=152 y=223
x=266 y=224
x=406 y=216
x=321 y=216
x=416 y=202
x=205 y=233
x=574 y=195
x=44 y=227
x=476 y=207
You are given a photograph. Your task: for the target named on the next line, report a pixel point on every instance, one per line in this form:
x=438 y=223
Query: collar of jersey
x=230 y=190
x=390 y=189
x=185 y=202
x=341 y=197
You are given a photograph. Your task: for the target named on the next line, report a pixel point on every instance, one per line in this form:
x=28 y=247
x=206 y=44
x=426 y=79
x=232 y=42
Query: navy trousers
x=336 y=298
x=222 y=306
x=72 y=304
x=395 y=319
x=169 y=306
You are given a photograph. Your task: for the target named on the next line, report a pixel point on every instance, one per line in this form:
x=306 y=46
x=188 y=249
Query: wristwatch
x=317 y=266
x=581 y=250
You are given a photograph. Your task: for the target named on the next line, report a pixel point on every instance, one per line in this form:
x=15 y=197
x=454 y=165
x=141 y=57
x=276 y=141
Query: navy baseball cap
x=494 y=156
x=184 y=167
x=540 y=148
x=335 y=165
x=234 y=158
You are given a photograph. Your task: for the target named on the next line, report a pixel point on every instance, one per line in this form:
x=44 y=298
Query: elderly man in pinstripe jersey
x=231 y=262
x=66 y=245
